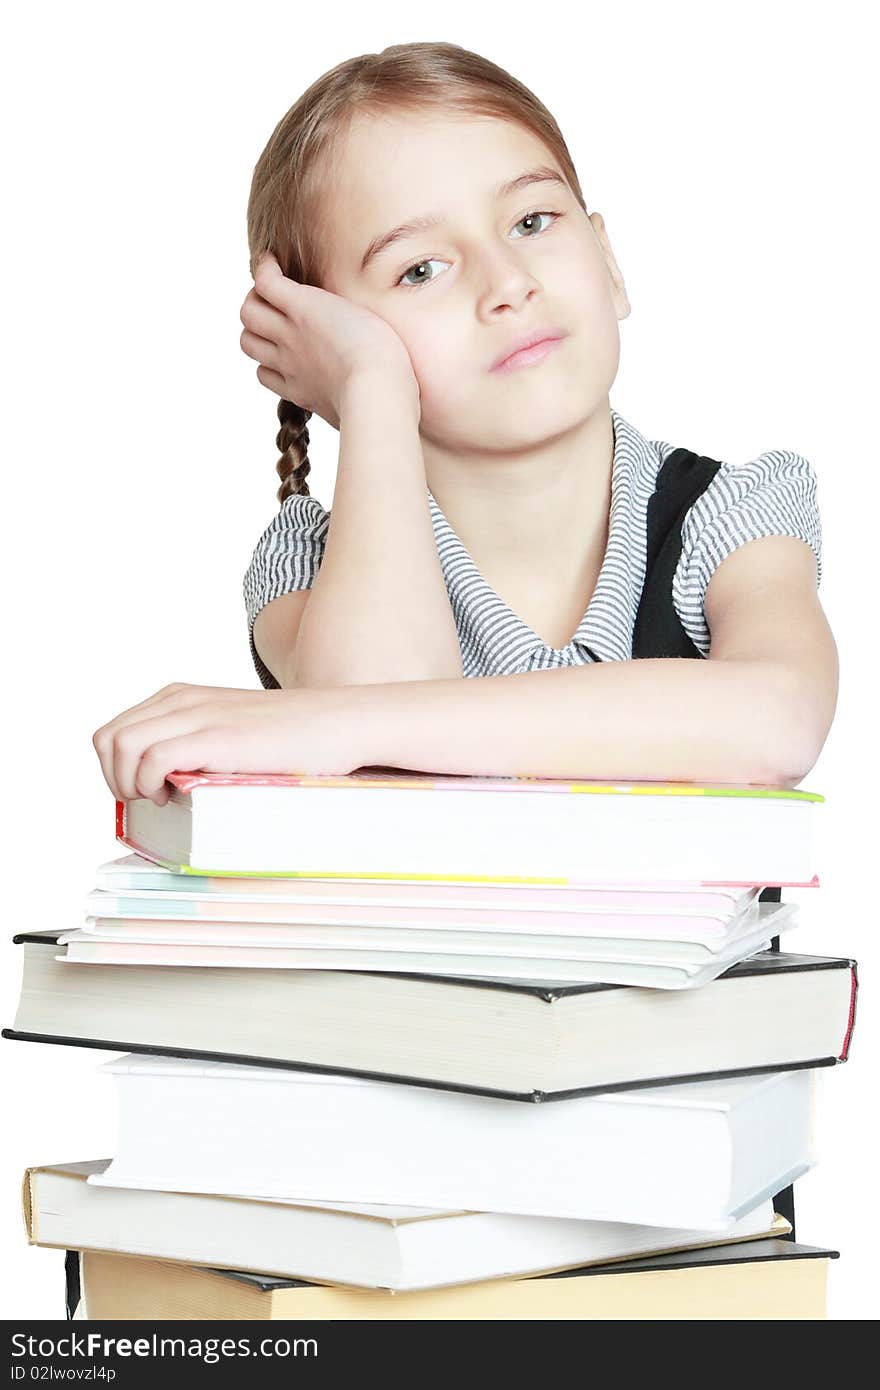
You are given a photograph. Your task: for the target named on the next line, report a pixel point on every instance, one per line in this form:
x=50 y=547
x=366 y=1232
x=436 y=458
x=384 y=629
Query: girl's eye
x=419 y=265
x=530 y=217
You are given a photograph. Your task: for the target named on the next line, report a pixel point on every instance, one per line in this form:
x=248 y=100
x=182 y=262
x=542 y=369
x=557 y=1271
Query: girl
x=428 y=280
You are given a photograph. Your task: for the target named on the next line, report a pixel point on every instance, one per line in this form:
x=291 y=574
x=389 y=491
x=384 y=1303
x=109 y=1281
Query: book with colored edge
x=481 y=919
x=764 y=1279
x=497 y=910
x=391 y=1247
x=382 y=823
x=529 y=1040
x=648 y=936
x=132 y=876
x=656 y=964
x=698 y=1156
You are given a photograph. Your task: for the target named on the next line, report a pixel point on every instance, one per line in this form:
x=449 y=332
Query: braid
x=293 y=441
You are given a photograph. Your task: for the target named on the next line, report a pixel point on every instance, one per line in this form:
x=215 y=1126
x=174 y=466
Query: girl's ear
x=618 y=288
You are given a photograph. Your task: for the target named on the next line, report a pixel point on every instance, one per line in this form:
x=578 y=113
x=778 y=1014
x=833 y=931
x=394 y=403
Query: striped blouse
x=773 y=495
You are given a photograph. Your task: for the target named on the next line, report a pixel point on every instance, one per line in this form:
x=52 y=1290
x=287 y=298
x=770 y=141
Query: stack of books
x=342 y=997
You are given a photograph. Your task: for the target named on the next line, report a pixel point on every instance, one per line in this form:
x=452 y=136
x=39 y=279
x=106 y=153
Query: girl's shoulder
x=288 y=554
x=300 y=524
x=772 y=494
x=775 y=468
x=299 y=511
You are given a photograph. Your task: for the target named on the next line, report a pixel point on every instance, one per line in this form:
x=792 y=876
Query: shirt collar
x=502 y=642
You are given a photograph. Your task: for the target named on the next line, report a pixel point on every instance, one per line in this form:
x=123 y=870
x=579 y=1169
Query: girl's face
x=496 y=266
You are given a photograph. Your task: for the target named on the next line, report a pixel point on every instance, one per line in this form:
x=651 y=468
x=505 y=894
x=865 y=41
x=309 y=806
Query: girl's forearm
x=378 y=609
x=653 y=720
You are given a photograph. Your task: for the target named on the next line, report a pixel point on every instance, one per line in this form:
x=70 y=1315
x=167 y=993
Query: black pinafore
x=658 y=630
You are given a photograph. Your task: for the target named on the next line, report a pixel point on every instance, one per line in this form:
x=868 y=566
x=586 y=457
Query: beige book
x=396 y=1248
x=762 y=1280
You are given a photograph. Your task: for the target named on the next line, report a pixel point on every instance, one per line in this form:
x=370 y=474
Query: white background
x=730 y=151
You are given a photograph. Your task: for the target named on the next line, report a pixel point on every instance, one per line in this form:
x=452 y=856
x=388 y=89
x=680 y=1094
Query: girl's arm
x=757 y=710
x=378 y=609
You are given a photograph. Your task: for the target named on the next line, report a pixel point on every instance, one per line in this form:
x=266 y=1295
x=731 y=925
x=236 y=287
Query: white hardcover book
x=387 y=823
x=698 y=1156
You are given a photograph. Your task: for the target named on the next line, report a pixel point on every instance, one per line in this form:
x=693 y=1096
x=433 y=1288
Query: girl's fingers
x=273 y=285
x=135 y=740
x=260 y=349
x=129 y=744
x=274 y=381
x=185 y=753
x=170 y=697
x=166 y=692
x=176 y=710
x=262 y=318
x=102 y=741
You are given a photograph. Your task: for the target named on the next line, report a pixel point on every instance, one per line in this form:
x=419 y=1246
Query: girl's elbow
x=806 y=713
x=791 y=771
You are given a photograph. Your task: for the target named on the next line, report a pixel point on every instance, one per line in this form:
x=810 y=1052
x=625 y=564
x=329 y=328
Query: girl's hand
x=191 y=728
x=310 y=342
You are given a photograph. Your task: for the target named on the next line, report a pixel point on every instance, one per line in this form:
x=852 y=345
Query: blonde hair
x=285 y=208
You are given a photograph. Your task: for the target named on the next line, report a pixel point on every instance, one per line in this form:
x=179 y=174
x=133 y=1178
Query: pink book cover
x=436 y=781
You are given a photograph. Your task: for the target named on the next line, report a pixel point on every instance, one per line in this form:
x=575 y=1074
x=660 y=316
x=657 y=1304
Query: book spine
x=851 y=1022
x=29 y=1204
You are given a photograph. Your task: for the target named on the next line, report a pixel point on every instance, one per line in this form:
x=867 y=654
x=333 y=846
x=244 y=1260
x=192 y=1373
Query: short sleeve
x=772 y=495
x=286 y=558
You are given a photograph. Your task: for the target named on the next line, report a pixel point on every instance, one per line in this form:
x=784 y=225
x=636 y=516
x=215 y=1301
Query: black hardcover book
x=528 y=1041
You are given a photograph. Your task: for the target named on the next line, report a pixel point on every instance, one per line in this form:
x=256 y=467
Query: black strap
x=73 y=1292
x=683 y=478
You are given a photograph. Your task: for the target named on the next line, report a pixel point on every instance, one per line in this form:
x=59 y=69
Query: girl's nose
x=504 y=280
